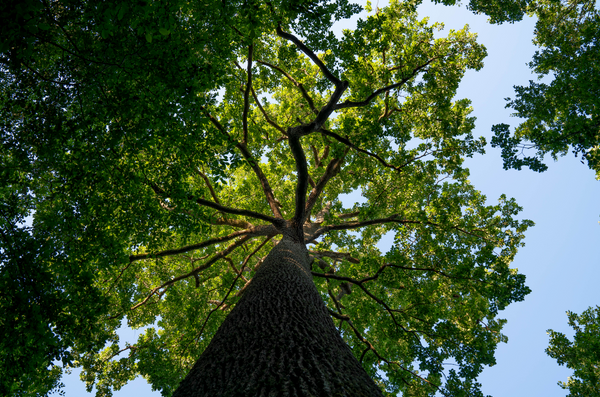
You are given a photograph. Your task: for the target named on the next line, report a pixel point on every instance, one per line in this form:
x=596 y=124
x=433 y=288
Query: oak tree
x=184 y=165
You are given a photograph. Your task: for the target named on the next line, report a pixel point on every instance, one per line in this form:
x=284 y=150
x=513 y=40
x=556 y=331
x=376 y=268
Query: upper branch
x=305 y=95
x=340 y=86
x=349 y=104
x=255 y=167
x=227 y=210
x=266 y=116
x=353 y=146
x=310 y=54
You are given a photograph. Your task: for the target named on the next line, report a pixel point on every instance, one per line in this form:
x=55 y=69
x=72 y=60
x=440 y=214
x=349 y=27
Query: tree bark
x=279 y=340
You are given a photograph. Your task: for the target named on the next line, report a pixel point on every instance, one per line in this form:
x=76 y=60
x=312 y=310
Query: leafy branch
x=194 y=272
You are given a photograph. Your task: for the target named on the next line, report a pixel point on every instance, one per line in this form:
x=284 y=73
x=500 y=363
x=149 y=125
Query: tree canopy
x=562 y=114
x=582 y=354
x=160 y=147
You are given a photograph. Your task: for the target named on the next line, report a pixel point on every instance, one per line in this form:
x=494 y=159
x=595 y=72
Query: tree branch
x=303 y=91
x=302 y=183
x=266 y=116
x=370 y=347
x=255 y=231
x=208 y=264
x=255 y=167
x=332 y=170
x=227 y=210
x=208 y=184
x=334 y=255
x=340 y=86
x=395 y=218
x=353 y=146
x=349 y=104
x=290 y=37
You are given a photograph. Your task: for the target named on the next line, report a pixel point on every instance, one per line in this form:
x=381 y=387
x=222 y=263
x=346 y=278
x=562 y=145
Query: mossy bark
x=279 y=340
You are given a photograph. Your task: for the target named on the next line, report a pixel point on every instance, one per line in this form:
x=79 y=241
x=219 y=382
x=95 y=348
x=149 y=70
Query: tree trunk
x=279 y=340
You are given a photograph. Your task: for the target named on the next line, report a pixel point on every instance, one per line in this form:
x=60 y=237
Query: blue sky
x=562 y=251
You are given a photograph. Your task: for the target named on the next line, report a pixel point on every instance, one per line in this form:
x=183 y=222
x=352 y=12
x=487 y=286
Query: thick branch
x=302 y=183
x=222 y=208
x=356 y=225
x=340 y=86
x=310 y=54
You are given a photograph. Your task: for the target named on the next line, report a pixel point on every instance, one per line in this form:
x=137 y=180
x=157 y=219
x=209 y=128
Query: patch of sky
x=350 y=199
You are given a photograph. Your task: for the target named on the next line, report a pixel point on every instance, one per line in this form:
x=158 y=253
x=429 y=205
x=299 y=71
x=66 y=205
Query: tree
x=563 y=114
x=184 y=166
x=582 y=354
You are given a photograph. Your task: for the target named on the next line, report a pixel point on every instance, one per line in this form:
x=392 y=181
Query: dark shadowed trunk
x=279 y=340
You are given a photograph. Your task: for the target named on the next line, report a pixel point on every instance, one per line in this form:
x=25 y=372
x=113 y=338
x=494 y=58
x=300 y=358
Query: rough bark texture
x=279 y=340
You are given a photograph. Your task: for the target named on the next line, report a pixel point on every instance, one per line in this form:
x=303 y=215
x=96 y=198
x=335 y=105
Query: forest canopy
x=163 y=149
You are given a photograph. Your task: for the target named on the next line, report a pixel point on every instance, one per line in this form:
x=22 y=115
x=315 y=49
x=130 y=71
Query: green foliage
x=135 y=138
x=582 y=354
x=561 y=115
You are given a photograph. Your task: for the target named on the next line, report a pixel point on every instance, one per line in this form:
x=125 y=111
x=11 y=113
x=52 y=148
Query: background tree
x=582 y=354
x=164 y=159
x=563 y=114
